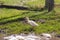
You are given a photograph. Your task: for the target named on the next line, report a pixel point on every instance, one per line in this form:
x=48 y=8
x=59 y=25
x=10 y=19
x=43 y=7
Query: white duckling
x=31 y=22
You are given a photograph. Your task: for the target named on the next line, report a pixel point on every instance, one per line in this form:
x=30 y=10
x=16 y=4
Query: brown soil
x=55 y=38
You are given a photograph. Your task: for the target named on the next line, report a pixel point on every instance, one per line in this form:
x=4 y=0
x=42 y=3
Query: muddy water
x=25 y=37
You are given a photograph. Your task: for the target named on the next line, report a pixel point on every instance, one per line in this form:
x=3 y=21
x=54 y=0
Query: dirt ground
x=55 y=38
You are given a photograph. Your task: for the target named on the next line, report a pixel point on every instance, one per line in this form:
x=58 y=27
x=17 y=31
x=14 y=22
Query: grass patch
x=11 y=24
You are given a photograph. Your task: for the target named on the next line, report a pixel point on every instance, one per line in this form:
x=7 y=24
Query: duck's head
x=26 y=18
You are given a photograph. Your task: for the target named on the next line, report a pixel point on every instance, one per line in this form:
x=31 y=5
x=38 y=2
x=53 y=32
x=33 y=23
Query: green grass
x=57 y=1
x=18 y=2
x=14 y=26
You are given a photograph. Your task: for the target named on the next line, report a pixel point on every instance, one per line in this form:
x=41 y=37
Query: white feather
x=32 y=23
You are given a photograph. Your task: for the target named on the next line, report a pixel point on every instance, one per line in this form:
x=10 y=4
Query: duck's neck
x=28 y=20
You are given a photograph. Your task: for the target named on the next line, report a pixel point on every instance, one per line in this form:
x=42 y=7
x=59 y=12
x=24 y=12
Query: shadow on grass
x=14 y=20
x=9 y=17
x=20 y=8
x=22 y=19
x=10 y=21
x=13 y=7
